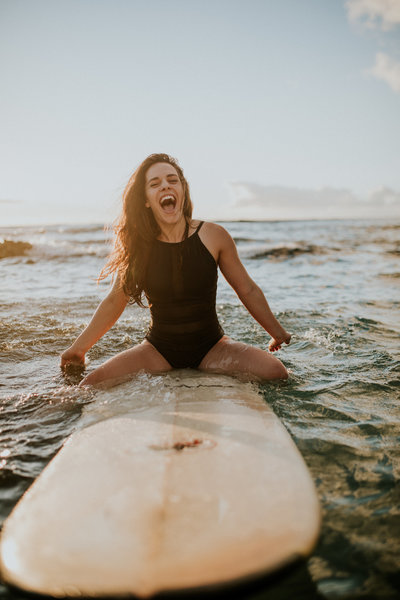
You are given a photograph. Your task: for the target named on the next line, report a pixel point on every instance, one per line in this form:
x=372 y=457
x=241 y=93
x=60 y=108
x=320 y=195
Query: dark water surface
x=335 y=285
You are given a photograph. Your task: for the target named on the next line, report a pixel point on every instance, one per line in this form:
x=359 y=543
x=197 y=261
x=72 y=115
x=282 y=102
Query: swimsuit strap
x=198 y=228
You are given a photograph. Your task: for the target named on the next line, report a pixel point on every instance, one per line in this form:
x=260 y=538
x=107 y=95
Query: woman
x=165 y=255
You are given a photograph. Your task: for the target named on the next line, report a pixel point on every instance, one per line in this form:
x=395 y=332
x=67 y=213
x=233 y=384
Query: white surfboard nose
x=205 y=489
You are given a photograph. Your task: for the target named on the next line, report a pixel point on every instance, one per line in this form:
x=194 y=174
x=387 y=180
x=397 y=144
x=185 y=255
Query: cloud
x=388 y=70
x=374 y=14
x=255 y=201
x=9 y=201
x=384 y=15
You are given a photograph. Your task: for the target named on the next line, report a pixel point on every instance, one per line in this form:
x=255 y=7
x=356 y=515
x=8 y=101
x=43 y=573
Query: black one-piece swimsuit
x=181 y=287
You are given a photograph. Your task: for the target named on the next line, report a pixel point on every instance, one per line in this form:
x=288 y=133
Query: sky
x=275 y=109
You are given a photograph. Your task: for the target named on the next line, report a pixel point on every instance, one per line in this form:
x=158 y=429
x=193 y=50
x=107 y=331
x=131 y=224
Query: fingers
x=73 y=362
x=64 y=362
x=73 y=368
x=274 y=346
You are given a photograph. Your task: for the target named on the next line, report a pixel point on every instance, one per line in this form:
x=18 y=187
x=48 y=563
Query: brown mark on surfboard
x=179 y=446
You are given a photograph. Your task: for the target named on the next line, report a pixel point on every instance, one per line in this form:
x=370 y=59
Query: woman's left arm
x=248 y=291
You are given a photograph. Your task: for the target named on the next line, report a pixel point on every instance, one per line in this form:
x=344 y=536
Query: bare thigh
x=143 y=357
x=228 y=356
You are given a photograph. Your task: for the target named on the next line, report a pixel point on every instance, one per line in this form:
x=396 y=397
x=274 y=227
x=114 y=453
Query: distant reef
x=288 y=251
x=9 y=248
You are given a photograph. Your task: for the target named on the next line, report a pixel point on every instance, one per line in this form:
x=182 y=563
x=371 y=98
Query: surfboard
x=202 y=486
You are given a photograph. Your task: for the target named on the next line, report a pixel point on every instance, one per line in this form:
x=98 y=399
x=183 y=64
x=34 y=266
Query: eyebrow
x=169 y=175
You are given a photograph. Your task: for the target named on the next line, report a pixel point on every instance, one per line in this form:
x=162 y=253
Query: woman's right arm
x=107 y=313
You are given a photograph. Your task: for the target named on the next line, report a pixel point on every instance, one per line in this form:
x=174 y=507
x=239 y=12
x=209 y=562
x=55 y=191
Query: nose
x=164 y=184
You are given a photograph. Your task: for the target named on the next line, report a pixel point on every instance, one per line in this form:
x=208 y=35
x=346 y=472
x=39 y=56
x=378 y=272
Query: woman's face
x=164 y=193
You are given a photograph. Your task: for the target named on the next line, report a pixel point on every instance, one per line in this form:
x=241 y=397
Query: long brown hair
x=136 y=229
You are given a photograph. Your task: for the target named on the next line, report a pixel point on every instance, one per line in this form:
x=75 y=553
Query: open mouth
x=168 y=203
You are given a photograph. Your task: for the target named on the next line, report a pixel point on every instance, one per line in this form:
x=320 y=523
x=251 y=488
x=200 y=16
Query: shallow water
x=335 y=285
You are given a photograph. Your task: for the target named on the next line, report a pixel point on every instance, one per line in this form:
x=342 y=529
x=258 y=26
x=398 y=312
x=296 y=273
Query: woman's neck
x=175 y=232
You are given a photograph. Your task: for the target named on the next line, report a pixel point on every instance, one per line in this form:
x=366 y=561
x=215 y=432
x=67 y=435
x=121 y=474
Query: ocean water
x=334 y=284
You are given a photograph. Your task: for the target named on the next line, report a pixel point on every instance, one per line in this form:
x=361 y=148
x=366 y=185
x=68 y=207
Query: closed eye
x=155 y=181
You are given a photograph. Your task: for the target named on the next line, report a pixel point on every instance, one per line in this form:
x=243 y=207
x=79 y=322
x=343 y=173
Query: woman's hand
x=72 y=358
x=276 y=343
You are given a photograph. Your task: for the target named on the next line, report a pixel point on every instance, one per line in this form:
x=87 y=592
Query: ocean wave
x=288 y=251
x=376 y=327
x=81 y=229
x=10 y=248
x=72 y=254
x=390 y=275
x=54 y=251
x=94 y=242
x=245 y=240
x=32 y=335
x=388 y=227
x=23 y=230
x=14 y=477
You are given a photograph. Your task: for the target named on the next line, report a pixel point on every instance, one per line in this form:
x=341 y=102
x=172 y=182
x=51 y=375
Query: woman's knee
x=277 y=370
x=92 y=379
x=265 y=365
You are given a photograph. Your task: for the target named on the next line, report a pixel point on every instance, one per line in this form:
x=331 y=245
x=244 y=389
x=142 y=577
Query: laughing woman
x=172 y=260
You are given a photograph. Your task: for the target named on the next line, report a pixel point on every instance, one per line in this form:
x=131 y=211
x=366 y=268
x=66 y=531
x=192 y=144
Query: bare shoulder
x=216 y=231
x=215 y=238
